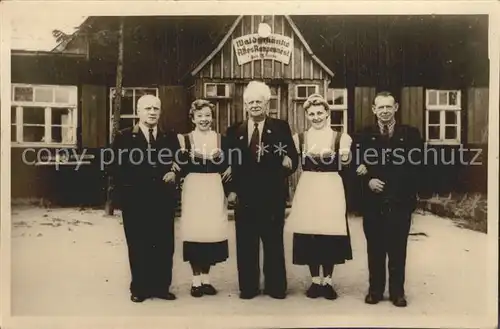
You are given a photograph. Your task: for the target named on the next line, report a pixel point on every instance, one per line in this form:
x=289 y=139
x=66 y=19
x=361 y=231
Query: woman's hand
x=231 y=198
x=169 y=177
x=361 y=170
x=376 y=185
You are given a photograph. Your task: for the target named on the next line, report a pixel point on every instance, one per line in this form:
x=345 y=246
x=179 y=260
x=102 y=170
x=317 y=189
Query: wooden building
x=437 y=66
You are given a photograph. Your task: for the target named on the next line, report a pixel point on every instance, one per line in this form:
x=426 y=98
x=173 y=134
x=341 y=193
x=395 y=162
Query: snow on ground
x=70 y=262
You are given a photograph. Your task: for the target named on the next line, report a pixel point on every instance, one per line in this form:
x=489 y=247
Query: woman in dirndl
x=318 y=216
x=204 y=218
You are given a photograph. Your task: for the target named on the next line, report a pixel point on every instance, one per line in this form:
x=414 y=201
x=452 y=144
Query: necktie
x=385 y=130
x=254 y=142
x=151 y=137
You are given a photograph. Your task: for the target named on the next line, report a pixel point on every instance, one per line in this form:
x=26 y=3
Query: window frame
x=442 y=109
x=48 y=107
x=338 y=108
x=226 y=86
x=307 y=85
x=133 y=116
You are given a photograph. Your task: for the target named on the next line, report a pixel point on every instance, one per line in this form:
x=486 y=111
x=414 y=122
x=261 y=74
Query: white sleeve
x=345 y=144
x=182 y=141
x=296 y=141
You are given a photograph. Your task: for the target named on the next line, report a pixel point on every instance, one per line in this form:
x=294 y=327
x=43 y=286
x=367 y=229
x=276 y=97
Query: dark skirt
x=321 y=249
x=205 y=253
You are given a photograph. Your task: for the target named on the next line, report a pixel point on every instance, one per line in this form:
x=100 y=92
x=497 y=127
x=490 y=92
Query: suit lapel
x=266 y=131
x=138 y=135
x=242 y=134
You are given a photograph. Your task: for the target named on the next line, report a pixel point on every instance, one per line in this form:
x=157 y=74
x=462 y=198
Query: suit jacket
x=395 y=160
x=132 y=174
x=267 y=179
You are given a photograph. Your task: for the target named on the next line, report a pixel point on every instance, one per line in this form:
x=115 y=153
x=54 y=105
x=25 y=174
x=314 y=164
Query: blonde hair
x=316 y=99
x=199 y=104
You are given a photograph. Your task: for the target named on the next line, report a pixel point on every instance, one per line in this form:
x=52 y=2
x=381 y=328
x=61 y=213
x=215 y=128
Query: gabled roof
x=295 y=29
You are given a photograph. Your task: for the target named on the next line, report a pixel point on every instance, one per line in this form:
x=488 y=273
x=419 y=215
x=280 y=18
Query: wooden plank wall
x=363 y=114
x=94 y=118
x=174 y=108
x=412 y=108
x=224 y=65
x=477 y=115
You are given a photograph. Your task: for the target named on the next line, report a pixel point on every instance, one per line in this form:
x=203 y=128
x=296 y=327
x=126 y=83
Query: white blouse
x=320 y=141
x=204 y=143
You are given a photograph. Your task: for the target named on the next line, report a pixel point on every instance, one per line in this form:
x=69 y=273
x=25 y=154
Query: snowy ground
x=67 y=262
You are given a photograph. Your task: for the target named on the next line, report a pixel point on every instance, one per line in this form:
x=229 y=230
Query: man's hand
x=226 y=176
x=361 y=170
x=169 y=177
x=287 y=162
x=231 y=198
x=376 y=185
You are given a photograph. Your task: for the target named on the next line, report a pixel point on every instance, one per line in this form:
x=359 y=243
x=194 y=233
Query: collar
x=260 y=124
x=389 y=125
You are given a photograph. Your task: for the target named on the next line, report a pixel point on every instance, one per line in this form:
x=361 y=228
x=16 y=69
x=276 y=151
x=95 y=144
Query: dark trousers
x=254 y=223
x=148 y=221
x=386 y=230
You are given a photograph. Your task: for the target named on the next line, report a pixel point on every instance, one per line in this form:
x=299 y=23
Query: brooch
x=268 y=131
x=241 y=137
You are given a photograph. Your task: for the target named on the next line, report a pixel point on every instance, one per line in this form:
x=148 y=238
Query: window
x=442 y=116
x=304 y=91
x=337 y=99
x=217 y=90
x=128 y=113
x=44 y=115
x=274 y=102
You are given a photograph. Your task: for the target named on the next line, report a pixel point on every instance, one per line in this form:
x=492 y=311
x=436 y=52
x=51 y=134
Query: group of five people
x=249 y=167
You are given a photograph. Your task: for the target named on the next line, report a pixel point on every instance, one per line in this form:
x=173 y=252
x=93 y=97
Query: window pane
x=443 y=98
x=453 y=98
x=33 y=134
x=62 y=95
x=434 y=117
x=273 y=114
x=338 y=128
x=221 y=90
x=23 y=94
x=34 y=115
x=13 y=114
x=432 y=97
x=311 y=90
x=211 y=90
x=61 y=117
x=127 y=103
x=337 y=117
x=302 y=92
x=273 y=104
x=274 y=90
x=62 y=135
x=13 y=133
x=126 y=122
x=451 y=117
x=43 y=94
x=450 y=132
x=339 y=97
x=434 y=132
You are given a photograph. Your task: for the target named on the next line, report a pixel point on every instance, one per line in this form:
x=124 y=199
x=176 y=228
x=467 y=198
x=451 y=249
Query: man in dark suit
x=390 y=159
x=263 y=155
x=144 y=178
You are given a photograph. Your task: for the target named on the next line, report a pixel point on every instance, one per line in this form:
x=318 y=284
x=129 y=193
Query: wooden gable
x=222 y=63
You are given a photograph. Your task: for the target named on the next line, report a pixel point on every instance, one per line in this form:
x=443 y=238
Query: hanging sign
x=251 y=47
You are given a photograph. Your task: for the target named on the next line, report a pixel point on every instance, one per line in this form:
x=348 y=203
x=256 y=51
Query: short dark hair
x=384 y=93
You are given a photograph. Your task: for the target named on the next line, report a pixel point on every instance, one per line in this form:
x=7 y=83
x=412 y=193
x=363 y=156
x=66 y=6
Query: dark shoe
x=137 y=298
x=275 y=294
x=196 y=291
x=314 y=291
x=249 y=295
x=399 y=301
x=372 y=299
x=166 y=296
x=208 y=289
x=329 y=292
